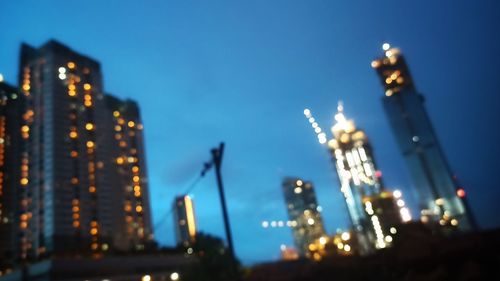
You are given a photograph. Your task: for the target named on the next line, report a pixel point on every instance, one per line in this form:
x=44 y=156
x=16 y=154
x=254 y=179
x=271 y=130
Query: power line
x=189 y=188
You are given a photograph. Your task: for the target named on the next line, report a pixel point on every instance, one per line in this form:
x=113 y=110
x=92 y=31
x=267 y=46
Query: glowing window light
x=190 y=216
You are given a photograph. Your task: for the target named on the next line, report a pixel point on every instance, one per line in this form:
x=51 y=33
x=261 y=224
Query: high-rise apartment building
x=12 y=196
x=442 y=201
x=184 y=220
x=303 y=212
x=129 y=165
x=78 y=197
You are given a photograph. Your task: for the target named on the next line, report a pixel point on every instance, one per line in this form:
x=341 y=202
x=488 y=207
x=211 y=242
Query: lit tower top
x=393 y=71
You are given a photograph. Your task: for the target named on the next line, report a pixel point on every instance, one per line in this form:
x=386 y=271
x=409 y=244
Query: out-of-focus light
x=322 y=240
x=1 y=77
x=454 y=222
x=297 y=190
x=388 y=93
x=439 y=201
x=340 y=245
x=405 y=214
x=386 y=46
x=378 y=174
x=375 y=64
x=298 y=183
x=281 y=224
x=283 y=247
x=461 y=193
x=71 y=65
x=189 y=251
x=319 y=209
x=317 y=130
x=307 y=112
x=397 y=194
x=311 y=120
x=265 y=224
x=146 y=278
x=400 y=202
x=62 y=70
x=345 y=236
x=347 y=248
x=87 y=86
x=393 y=230
x=310 y=221
x=415 y=138
x=62 y=76
x=388 y=239
x=174 y=276
x=273 y=224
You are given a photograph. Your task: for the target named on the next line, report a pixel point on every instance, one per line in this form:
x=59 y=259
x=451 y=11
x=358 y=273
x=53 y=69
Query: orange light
x=24 y=181
x=87 y=86
x=119 y=160
x=190 y=216
x=73 y=135
x=93 y=231
x=138 y=208
x=90 y=144
x=74 y=154
x=89 y=126
x=131 y=124
x=461 y=193
x=92 y=189
x=25 y=128
x=71 y=65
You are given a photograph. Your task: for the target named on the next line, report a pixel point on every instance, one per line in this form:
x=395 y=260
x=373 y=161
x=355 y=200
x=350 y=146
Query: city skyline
x=183 y=94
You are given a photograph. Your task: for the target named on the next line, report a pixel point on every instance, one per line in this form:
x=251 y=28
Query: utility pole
x=217 y=154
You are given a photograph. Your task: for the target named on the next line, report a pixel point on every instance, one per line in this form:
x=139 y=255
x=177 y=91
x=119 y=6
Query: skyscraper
x=358 y=176
x=304 y=211
x=129 y=166
x=12 y=146
x=442 y=201
x=184 y=220
x=76 y=200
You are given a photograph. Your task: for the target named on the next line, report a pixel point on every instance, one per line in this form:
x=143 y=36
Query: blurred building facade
x=184 y=220
x=362 y=186
x=66 y=193
x=12 y=147
x=303 y=212
x=441 y=200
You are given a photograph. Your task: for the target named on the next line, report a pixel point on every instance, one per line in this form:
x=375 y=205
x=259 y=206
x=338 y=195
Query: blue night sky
x=243 y=71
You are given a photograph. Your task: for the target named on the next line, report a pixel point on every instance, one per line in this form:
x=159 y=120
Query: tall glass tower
x=442 y=202
x=358 y=176
x=303 y=210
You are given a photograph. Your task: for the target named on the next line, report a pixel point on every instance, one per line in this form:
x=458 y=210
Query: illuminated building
x=341 y=244
x=360 y=182
x=386 y=211
x=352 y=155
x=12 y=192
x=304 y=211
x=75 y=197
x=184 y=220
x=129 y=162
x=288 y=253
x=441 y=199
